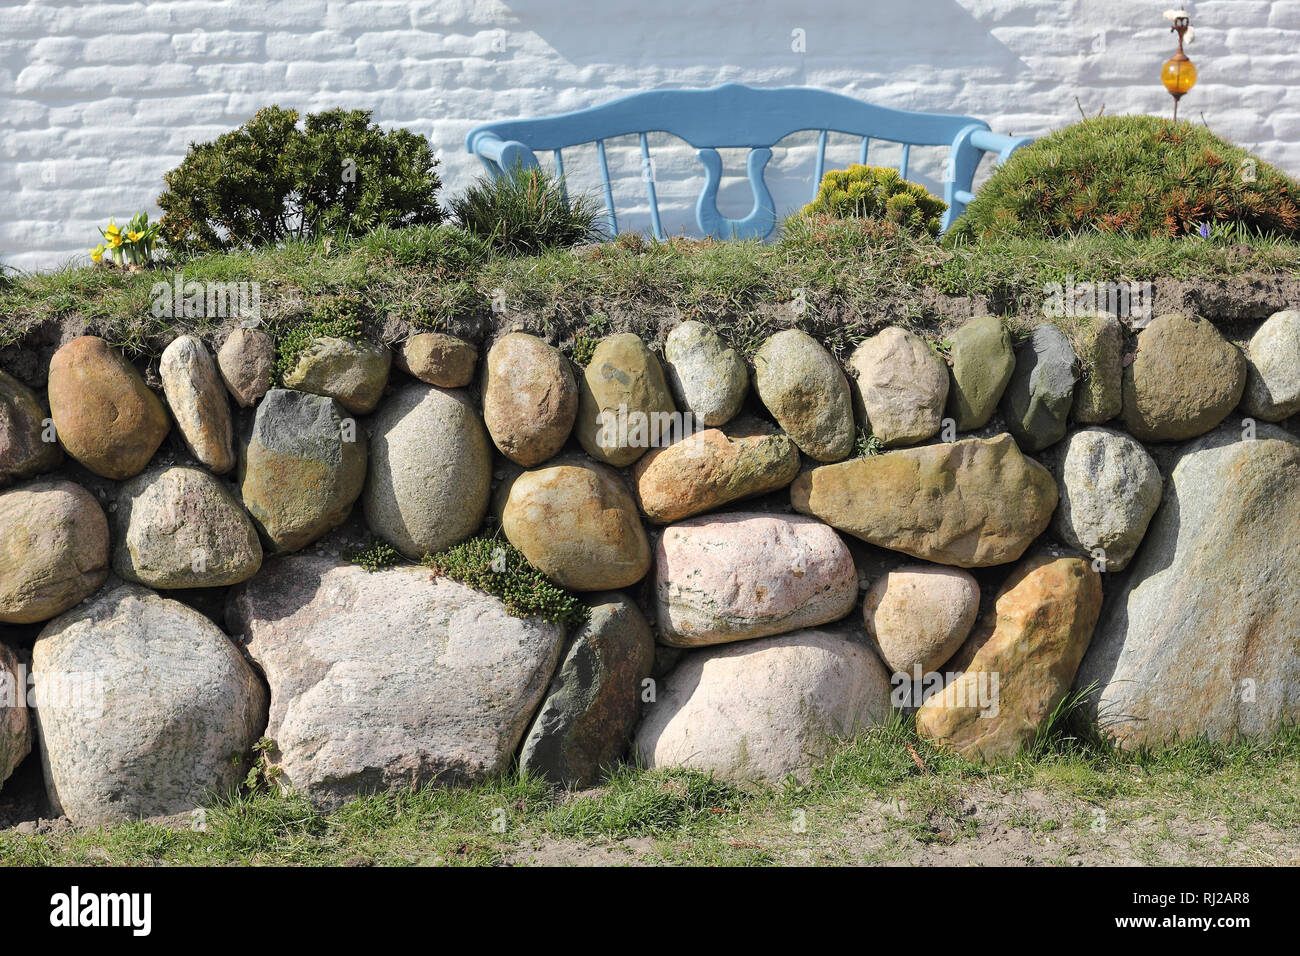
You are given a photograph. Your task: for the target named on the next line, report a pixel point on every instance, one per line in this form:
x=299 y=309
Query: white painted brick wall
x=98 y=99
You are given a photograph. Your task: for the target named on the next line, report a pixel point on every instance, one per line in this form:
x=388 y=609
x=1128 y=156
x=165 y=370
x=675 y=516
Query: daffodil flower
x=133 y=236
x=115 y=239
x=97 y=254
x=112 y=229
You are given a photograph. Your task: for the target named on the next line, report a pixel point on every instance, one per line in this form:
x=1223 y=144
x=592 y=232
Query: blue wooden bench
x=737 y=116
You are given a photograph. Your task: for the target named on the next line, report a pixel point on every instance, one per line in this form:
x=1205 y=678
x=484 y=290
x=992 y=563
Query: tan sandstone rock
x=1019 y=663
x=970 y=503
x=105 y=415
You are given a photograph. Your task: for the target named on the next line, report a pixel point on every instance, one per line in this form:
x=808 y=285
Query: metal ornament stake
x=1178 y=74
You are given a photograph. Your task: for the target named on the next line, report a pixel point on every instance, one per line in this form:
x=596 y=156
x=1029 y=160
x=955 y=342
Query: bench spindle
x=902 y=165
x=609 y=190
x=862 y=153
x=648 y=171
x=559 y=173
x=820 y=169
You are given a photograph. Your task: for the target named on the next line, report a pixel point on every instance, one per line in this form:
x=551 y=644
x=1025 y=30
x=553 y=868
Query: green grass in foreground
x=849 y=277
x=886 y=797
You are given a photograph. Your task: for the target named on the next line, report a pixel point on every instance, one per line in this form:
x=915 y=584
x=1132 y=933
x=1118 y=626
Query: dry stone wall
x=774 y=552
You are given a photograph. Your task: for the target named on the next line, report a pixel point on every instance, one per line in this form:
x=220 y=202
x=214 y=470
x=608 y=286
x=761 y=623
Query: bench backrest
x=737 y=116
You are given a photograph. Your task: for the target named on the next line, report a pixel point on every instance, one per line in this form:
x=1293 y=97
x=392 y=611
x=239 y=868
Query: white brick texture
x=99 y=99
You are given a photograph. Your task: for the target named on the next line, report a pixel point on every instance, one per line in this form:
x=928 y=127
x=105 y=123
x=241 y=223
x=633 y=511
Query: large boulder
x=246 y=361
x=807 y=393
x=23 y=449
x=53 y=549
x=1098 y=340
x=901 y=387
x=390 y=679
x=1203 y=636
x=707 y=378
x=197 y=398
x=143 y=708
x=764 y=709
x=1041 y=391
x=353 y=372
x=103 y=412
x=438 y=358
x=624 y=405
x=530 y=399
x=1018 y=665
x=179 y=527
x=971 y=503
x=302 y=468
x=919 y=615
x=712 y=468
x=1110 y=487
x=576 y=522
x=594 y=699
x=734 y=577
x=15 y=725
x=1184 y=379
x=430 y=470
x=1273 y=368
x=982 y=364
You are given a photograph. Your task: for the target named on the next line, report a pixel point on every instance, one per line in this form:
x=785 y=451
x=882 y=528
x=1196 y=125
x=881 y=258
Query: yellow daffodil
x=115 y=239
x=133 y=236
x=112 y=229
x=97 y=254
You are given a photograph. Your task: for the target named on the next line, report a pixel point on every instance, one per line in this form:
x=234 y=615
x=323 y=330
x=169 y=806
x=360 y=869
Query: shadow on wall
x=768 y=46
x=917 y=33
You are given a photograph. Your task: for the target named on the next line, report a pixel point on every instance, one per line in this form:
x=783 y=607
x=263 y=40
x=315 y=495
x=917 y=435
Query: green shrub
x=527 y=212
x=877 y=192
x=1136 y=175
x=374 y=556
x=269 y=180
x=496 y=567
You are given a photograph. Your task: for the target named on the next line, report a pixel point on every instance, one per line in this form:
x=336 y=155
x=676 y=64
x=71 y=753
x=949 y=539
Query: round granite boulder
x=104 y=414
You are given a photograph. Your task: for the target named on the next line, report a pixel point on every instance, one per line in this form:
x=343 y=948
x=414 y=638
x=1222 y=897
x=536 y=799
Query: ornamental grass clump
x=1139 y=176
x=878 y=192
x=527 y=212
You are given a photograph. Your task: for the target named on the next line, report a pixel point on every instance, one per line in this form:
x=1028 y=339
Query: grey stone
x=1099 y=343
x=1200 y=638
x=15 y=724
x=764 y=709
x=708 y=379
x=197 y=399
x=1110 y=487
x=594 y=699
x=353 y=372
x=23 y=450
x=438 y=358
x=389 y=679
x=1038 y=399
x=302 y=467
x=144 y=708
x=53 y=549
x=179 y=527
x=806 y=392
x=1273 y=368
x=246 y=361
x=430 y=470
x=982 y=364
x=901 y=387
